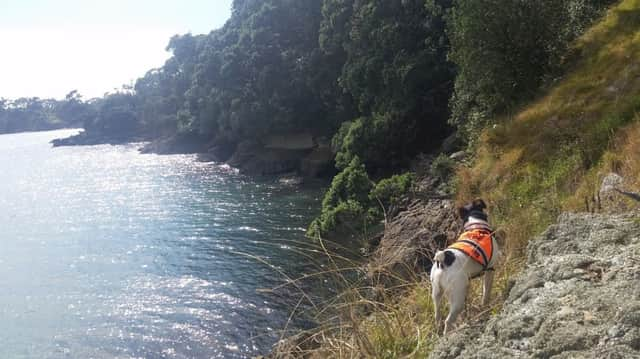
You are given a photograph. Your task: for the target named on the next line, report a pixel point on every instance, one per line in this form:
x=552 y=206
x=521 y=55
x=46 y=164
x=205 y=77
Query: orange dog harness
x=477 y=244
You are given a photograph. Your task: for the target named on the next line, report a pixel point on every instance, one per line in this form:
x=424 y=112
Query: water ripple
x=110 y=253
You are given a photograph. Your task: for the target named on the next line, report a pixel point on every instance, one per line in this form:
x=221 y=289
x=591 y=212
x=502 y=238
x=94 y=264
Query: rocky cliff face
x=412 y=238
x=579 y=297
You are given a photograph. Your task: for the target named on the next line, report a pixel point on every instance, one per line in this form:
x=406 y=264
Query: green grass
x=547 y=158
x=533 y=165
x=541 y=161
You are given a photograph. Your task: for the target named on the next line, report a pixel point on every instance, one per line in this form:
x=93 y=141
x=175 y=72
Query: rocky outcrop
x=283 y=154
x=578 y=297
x=416 y=229
x=272 y=162
x=291 y=141
x=318 y=163
x=412 y=238
x=252 y=158
x=219 y=151
x=86 y=139
x=178 y=144
x=276 y=155
x=614 y=197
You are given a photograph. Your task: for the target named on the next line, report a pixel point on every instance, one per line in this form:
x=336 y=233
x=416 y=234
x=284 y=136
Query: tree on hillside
x=116 y=116
x=73 y=110
x=255 y=74
x=397 y=72
x=506 y=49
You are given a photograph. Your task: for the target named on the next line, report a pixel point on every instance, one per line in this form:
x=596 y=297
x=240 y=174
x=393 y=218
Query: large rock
x=451 y=144
x=283 y=155
x=318 y=163
x=253 y=159
x=218 y=151
x=176 y=144
x=290 y=141
x=244 y=152
x=612 y=196
x=411 y=239
x=86 y=139
x=272 y=162
x=579 y=297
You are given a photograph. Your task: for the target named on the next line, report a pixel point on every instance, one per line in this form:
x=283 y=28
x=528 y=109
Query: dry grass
x=540 y=161
x=621 y=158
x=367 y=319
x=626 y=158
x=372 y=319
x=549 y=157
x=553 y=154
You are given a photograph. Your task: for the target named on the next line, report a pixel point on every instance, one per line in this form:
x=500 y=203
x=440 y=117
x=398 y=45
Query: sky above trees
x=52 y=47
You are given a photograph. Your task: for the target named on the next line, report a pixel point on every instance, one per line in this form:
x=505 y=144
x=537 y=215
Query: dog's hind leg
x=436 y=296
x=486 y=287
x=456 y=302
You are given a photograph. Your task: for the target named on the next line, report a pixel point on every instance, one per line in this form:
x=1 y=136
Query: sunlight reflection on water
x=106 y=252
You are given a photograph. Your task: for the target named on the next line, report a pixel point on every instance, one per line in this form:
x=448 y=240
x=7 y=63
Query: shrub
x=442 y=167
x=352 y=204
x=390 y=191
x=346 y=203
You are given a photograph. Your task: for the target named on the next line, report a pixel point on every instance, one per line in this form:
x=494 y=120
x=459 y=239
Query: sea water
x=106 y=252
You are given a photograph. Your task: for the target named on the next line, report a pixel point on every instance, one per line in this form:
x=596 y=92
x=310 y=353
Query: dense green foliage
x=442 y=167
x=384 y=79
x=378 y=75
x=346 y=205
x=354 y=204
x=283 y=66
x=398 y=76
x=389 y=191
x=262 y=73
x=505 y=50
x=116 y=116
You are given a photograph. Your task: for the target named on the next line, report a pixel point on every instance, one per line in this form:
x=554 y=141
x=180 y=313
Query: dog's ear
x=463 y=212
x=479 y=203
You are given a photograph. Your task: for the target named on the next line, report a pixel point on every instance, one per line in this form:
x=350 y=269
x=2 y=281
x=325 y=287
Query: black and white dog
x=475 y=253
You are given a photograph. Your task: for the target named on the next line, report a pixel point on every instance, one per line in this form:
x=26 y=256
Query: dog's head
x=474 y=209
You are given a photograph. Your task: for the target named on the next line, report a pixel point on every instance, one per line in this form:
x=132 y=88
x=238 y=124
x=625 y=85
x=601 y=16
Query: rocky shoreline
x=85 y=139
x=294 y=155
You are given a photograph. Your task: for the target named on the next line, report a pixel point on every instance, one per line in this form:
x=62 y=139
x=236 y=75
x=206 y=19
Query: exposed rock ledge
x=579 y=297
x=298 y=153
x=412 y=238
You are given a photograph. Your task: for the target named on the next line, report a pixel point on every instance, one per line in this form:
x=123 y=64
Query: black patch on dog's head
x=479 y=204
x=475 y=209
x=449 y=258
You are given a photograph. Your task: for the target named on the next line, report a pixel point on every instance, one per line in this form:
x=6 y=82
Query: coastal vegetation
x=541 y=100
x=552 y=154
x=381 y=81
x=534 y=159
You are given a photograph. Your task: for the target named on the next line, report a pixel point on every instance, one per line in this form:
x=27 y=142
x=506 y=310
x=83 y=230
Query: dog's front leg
x=486 y=287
